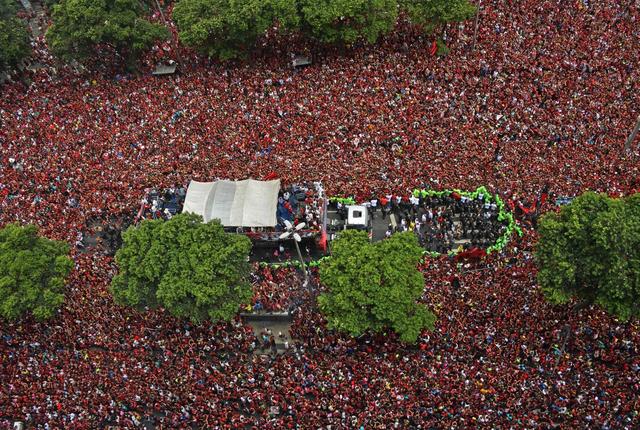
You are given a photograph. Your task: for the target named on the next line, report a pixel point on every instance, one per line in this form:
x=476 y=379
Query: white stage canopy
x=247 y=203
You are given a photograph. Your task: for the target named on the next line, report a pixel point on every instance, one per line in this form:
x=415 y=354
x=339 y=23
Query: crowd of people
x=446 y=223
x=545 y=96
x=300 y=203
x=161 y=204
x=275 y=289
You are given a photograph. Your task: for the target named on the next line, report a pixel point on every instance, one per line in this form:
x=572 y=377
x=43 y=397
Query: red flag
x=322 y=243
x=270 y=176
x=543 y=198
x=139 y=215
x=434 y=48
x=471 y=254
x=527 y=210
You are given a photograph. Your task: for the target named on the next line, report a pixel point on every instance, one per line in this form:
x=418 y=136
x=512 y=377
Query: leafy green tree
x=8 y=9
x=14 y=37
x=192 y=269
x=141 y=266
x=81 y=27
x=33 y=270
x=229 y=29
x=372 y=287
x=348 y=21
x=431 y=14
x=590 y=251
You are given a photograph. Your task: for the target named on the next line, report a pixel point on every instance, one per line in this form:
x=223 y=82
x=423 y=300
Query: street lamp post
x=293 y=234
x=632 y=136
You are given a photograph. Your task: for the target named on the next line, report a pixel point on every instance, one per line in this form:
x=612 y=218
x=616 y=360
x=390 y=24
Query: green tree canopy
x=372 y=287
x=14 y=37
x=590 y=251
x=33 y=271
x=51 y=3
x=348 y=21
x=81 y=26
x=228 y=29
x=8 y=9
x=192 y=269
x=431 y=14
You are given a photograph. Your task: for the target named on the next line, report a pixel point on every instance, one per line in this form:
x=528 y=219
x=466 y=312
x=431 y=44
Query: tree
x=372 y=287
x=431 y=14
x=8 y=9
x=348 y=21
x=590 y=251
x=51 y=3
x=14 y=37
x=80 y=27
x=33 y=270
x=141 y=263
x=192 y=269
x=229 y=29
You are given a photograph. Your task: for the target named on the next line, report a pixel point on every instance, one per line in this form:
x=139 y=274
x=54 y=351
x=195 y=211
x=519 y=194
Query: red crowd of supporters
x=544 y=101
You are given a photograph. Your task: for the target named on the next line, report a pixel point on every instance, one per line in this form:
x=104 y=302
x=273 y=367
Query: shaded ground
x=276 y=328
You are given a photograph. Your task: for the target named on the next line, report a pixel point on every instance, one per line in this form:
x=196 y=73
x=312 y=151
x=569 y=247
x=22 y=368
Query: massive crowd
x=275 y=289
x=546 y=99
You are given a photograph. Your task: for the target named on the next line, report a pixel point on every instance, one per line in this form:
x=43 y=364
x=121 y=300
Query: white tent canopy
x=247 y=203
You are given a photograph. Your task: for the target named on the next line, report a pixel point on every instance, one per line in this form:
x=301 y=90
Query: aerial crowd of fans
x=544 y=100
